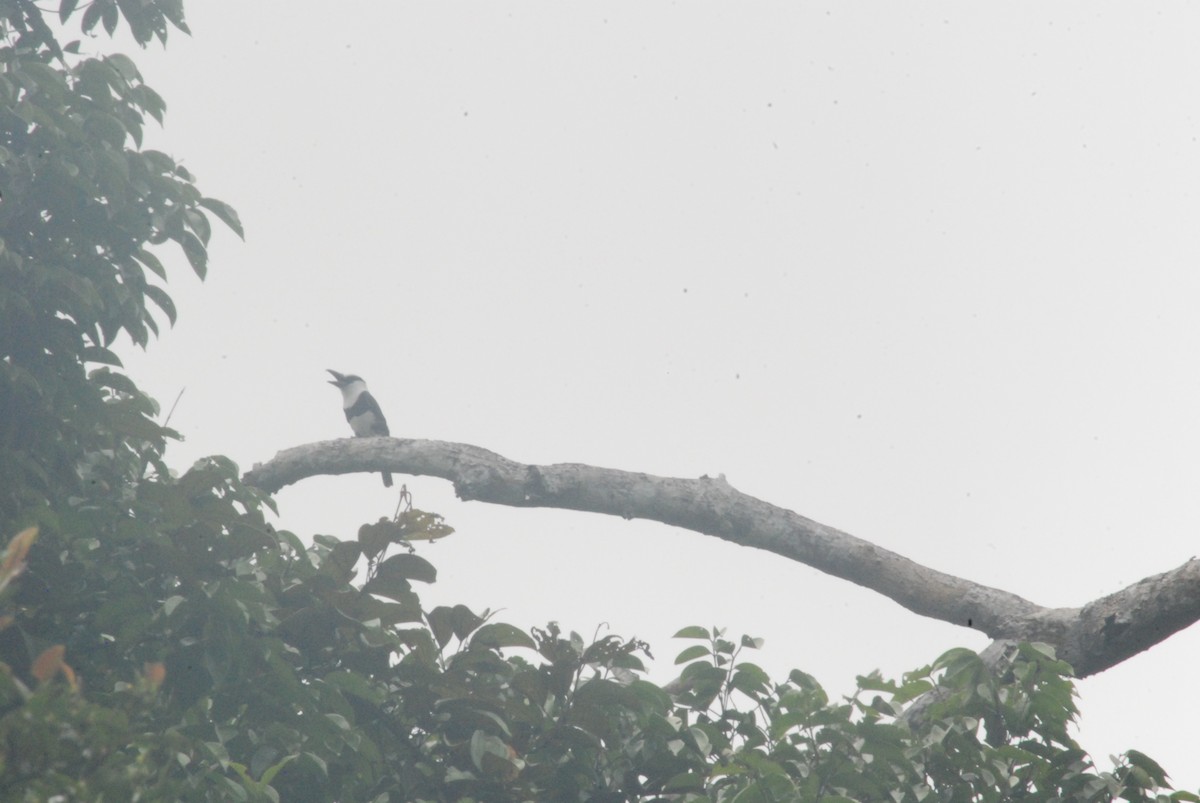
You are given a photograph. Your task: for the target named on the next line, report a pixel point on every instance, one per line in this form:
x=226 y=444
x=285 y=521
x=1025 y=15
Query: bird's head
x=343 y=380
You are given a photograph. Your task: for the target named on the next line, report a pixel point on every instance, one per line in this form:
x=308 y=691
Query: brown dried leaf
x=48 y=663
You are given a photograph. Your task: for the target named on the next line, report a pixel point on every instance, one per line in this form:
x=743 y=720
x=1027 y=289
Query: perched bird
x=362 y=411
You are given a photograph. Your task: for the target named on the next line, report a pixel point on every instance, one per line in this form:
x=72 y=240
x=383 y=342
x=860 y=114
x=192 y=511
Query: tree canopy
x=161 y=640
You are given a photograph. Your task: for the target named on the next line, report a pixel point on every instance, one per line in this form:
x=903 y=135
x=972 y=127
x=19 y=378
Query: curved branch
x=1092 y=638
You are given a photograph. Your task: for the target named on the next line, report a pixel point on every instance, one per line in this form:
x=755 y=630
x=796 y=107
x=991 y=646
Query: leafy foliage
x=82 y=213
x=995 y=734
x=236 y=664
x=160 y=641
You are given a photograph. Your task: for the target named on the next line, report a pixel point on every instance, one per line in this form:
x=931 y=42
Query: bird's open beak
x=337 y=378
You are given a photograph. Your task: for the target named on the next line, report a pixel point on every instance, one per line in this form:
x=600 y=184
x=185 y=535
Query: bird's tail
x=387 y=479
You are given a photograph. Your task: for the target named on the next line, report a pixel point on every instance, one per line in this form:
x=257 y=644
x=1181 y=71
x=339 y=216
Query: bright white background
x=923 y=272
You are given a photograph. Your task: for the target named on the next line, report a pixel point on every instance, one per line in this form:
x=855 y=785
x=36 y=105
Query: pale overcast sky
x=925 y=272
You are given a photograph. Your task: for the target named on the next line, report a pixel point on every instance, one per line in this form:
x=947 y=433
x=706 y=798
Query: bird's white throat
x=351 y=392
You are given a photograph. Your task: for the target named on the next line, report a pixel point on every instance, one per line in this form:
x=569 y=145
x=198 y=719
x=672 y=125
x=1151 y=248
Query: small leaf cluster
x=54 y=742
x=146 y=20
x=994 y=733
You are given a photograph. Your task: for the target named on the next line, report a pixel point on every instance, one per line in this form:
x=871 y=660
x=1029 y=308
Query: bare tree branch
x=1092 y=638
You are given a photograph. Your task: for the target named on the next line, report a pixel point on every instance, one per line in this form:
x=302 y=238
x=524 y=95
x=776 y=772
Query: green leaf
x=226 y=213
x=66 y=8
x=376 y=538
x=502 y=635
x=458 y=621
x=339 y=721
x=150 y=101
x=341 y=560
x=752 y=643
x=692 y=653
x=124 y=66
x=912 y=690
x=390 y=586
x=693 y=631
x=118 y=382
x=484 y=745
x=47 y=79
x=101 y=355
x=173 y=10
x=356 y=684
x=108 y=128
x=274 y=769
x=1147 y=765
x=160 y=297
x=750 y=679
x=410 y=567
x=685 y=782
x=150 y=261
x=109 y=16
x=198 y=223
x=218 y=650
x=195 y=252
